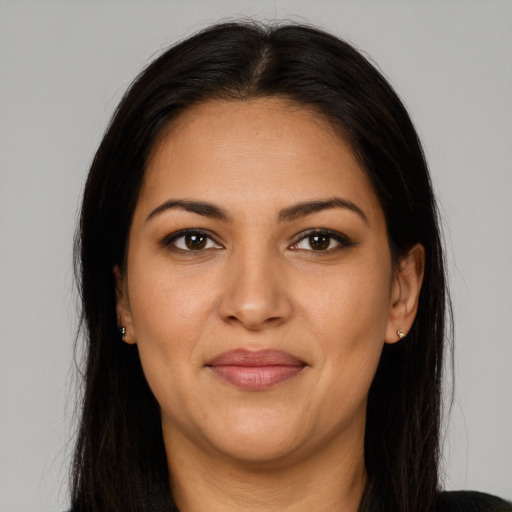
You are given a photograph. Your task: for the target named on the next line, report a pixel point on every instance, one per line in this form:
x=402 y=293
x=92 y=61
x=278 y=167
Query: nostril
x=254 y=322
x=254 y=298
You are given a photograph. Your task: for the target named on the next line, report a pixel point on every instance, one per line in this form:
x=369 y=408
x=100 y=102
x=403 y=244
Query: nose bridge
x=255 y=294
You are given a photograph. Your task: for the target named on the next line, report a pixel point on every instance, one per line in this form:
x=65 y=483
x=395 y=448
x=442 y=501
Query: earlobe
x=123 y=313
x=405 y=293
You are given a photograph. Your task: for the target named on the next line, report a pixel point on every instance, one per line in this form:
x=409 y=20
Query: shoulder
x=470 y=501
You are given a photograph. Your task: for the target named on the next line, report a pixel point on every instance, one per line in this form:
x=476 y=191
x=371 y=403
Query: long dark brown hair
x=119 y=462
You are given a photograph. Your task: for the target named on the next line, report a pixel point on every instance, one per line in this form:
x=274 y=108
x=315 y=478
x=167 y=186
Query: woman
x=263 y=288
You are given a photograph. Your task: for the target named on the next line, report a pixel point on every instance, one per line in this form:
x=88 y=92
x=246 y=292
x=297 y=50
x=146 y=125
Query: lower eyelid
x=210 y=242
x=338 y=238
x=169 y=241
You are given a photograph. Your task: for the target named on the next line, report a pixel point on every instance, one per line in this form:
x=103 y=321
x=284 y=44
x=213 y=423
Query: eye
x=190 y=240
x=322 y=241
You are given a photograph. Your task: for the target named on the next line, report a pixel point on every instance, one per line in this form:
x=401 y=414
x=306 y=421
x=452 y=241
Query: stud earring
x=401 y=334
x=122 y=333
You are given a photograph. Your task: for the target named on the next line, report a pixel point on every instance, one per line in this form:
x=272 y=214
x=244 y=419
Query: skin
x=259 y=284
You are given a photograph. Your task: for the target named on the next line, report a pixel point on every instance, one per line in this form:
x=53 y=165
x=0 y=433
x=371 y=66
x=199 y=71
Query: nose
x=254 y=294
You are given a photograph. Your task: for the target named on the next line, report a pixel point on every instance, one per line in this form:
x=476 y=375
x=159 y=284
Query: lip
x=256 y=370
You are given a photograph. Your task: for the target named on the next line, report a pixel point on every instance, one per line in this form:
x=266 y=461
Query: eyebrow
x=307 y=208
x=199 y=207
x=287 y=214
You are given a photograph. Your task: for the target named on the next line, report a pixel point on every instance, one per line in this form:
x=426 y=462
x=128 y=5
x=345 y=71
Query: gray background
x=63 y=68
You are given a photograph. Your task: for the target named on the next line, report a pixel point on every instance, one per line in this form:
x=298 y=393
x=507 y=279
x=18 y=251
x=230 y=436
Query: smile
x=256 y=371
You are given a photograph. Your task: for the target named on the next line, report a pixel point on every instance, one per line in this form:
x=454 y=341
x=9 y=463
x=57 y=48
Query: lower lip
x=256 y=378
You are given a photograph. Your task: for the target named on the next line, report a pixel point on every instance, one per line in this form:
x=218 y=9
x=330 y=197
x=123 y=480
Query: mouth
x=256 y=371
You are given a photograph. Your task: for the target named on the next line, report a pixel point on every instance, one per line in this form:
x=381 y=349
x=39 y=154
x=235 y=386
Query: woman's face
x=259 y=285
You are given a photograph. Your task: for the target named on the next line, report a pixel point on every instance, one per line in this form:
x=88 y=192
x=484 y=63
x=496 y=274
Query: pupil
x=195 y=241
x=319 y=242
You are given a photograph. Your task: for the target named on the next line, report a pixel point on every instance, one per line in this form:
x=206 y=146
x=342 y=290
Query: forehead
x=254 y=151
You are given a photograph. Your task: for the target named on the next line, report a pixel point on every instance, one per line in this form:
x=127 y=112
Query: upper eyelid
x=171 y=237
x=322 y=231
x=337 y=235
x=343 y=241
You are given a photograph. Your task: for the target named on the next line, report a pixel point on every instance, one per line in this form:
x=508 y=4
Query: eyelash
x=340 y=238
x=169 y=241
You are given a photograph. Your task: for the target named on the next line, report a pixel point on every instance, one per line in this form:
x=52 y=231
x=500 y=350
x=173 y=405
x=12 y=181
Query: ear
x=123 y=312
x=405 y=293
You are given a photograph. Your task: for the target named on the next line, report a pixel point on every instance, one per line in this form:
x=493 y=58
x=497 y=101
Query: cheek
x=168 y=321
x=165 y=304
x=351 y=306
x=349 y=323
x=169 y=314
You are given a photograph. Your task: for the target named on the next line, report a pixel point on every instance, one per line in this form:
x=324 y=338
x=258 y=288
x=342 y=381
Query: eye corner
x=190 y=240
x=322 y=241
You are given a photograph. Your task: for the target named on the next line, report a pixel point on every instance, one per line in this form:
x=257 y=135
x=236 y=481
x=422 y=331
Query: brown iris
x=319 y=242
x=195 y=241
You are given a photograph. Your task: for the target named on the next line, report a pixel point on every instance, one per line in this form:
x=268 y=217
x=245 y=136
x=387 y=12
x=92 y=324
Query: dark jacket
x=471 y=501
x=467 y=501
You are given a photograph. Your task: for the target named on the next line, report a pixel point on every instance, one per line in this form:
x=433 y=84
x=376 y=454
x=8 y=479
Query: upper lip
x=244 y=357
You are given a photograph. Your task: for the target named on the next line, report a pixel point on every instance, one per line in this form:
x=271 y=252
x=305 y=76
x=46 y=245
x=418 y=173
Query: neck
x=332 y=478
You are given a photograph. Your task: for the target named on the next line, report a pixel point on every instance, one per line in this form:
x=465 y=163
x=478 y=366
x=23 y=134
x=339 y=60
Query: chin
x=259 y=438
x=259 y=452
